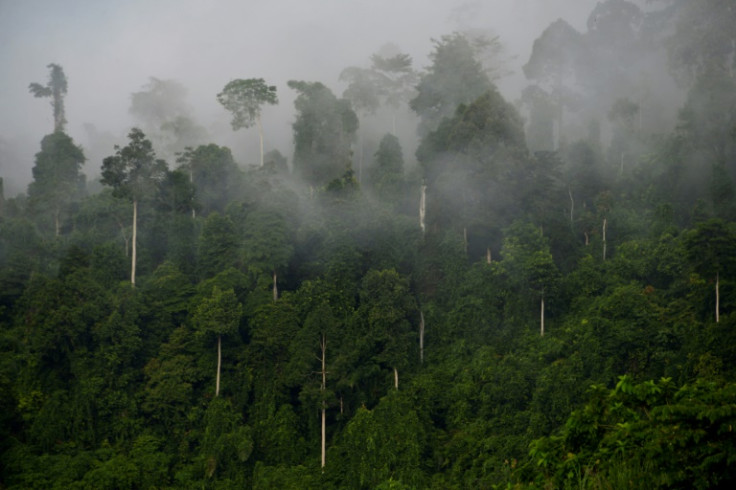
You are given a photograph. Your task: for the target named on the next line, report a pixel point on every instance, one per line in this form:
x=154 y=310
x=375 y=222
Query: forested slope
x=531 y=305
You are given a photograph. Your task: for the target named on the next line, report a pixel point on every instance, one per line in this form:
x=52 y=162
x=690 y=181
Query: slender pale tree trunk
x=134 y=239
x=260 y=135
x=396 y=378
x=465 y=239
x=323 y=451
x=219 y=365
x=572 y=208
x=275 y=287
x=423 y=207
x=718 y=299
x=605 y=222
x=421 y=336
x=541 y=318
x=488 y=255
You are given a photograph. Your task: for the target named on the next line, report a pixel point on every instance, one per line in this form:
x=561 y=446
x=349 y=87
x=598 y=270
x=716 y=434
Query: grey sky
x=109 y=49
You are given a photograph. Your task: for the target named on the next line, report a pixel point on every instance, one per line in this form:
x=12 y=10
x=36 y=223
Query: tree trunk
x=135 y=235
x=219 y=365
x=396 y=378
x=275 y=287
x=323 y=347
x=465 y=239
x=541 y=318
x=605 y=222
x=572 y=208
x=718 y=299
x=421 y=336
x=260 y=135
x=422 y=207
x=488 y=255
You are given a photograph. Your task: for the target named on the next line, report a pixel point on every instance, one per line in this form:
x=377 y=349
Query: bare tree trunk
x=488 y=255
x=396 y=378
x=135 y=235
x=465 y=239
x=541 y=318
x=423 y=208
x=219 y=365
x=421 y=336
x=605 y=222
x=718 y=299
x=323 y=347
x=572 y=208
x=275 y=287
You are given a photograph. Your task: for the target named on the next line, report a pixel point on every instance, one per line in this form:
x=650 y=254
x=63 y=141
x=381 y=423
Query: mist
x=111 y=49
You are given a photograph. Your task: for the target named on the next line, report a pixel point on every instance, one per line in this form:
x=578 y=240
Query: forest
x=521 y=294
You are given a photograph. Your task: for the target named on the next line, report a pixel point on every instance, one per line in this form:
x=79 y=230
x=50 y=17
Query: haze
x=110 y=49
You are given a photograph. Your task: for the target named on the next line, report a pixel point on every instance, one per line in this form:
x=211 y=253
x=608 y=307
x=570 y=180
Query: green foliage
x=323 y=131
x=56 y=89
x=682 y=433
x=57 y=181
x=105 y=386
x=219 y=314
x=134 y=170
x=244 y=99
x=455 y=77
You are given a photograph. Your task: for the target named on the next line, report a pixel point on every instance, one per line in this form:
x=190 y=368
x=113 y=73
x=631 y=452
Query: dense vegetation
x=547 y=300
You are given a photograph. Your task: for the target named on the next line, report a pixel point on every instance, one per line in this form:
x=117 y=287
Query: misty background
x=110 y=49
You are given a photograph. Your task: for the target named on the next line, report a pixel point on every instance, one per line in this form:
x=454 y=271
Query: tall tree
x=244 y=99
x=323 y=133
x=218 y=314
x=55 y=88
x=57 y=181
x=455 y=77
x=161 y=108
x=214 y=173
x=555 y=58
x=133 y=173
x=388 y=173
x=386 y=307
x=528 y=262
x=267 y=244
x=711 y=246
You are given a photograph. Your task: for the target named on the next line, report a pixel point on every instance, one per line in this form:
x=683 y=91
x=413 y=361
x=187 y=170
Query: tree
x=267 y=246
x=57 y=181
x=712 y=248
x=323 y=132
x=553 y=63
x=218 y=246
x=133 y=173
x=703 y=39
x=214 y=173
x=218 y=314
x=471 y=163
x=388 y=172
x=386 y=307
x=55 y=88
x=529 y=264
x=161 y=107
x=244 y=99
x=455 y=77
